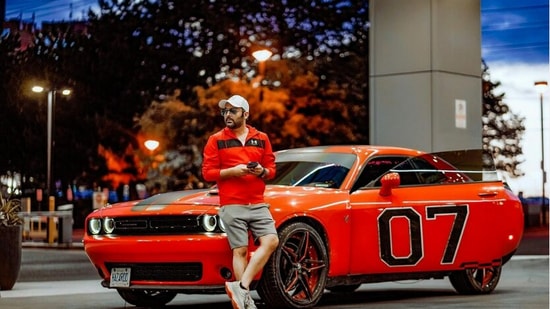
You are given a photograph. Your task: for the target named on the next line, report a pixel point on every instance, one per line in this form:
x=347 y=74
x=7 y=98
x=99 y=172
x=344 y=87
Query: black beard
x=236 y=123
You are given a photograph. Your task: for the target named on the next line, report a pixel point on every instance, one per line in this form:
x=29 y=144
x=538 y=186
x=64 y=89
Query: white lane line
x=529 y=257
x=53 y=288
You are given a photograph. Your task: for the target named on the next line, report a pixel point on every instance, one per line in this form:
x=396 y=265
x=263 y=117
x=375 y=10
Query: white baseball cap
x=236 y=101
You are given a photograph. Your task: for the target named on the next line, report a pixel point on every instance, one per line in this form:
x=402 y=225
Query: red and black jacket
x=224 y=150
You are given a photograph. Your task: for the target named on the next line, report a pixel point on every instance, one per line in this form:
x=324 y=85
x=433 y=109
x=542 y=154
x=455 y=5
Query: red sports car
x=346 y=215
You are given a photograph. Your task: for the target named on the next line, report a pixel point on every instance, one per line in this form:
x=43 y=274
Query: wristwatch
x=262 y=173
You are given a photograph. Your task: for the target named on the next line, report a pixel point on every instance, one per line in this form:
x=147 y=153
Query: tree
x=300 y=112
x=138 y=52
x=502 y=129
x=23 y=138
x=194 y=52
x=181 y=44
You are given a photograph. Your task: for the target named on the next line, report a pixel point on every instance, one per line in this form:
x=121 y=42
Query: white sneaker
x=249 y=302
x=237 y=295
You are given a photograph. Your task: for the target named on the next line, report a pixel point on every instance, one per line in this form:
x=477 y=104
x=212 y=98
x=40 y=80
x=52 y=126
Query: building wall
x=425 y=74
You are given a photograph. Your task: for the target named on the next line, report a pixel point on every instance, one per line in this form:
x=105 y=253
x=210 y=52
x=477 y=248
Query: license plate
x=120 y=277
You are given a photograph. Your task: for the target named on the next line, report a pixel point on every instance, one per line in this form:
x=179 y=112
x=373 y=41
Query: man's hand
x=259 y=171
x=242 y=170
x=256 y=170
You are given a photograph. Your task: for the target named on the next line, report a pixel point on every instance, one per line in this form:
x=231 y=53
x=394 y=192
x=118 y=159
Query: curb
x=44 y=245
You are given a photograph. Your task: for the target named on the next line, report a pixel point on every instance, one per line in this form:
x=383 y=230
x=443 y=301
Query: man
x=238 y=158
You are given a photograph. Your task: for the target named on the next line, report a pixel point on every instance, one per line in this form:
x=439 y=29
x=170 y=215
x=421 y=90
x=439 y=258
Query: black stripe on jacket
x=230 y=143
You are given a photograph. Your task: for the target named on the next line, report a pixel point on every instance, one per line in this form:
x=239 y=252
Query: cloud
x=517 y=83
x=518 y=78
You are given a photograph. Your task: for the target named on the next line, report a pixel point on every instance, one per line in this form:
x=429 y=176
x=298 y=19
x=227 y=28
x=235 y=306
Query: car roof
x=360 y=150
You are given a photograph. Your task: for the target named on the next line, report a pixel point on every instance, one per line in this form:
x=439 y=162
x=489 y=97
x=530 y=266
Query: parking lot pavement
x=54 y=288
x=524 y=284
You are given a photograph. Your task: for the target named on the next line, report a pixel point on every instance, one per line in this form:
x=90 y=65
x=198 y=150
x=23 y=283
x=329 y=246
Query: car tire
x=146 y=298
x=296 y=273
x=476 y=280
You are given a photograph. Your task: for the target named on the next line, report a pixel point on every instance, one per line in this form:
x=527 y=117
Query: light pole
x=541 y=87
x=51 y=118
x=151 y=145
x=261 y=56
x=152 y=173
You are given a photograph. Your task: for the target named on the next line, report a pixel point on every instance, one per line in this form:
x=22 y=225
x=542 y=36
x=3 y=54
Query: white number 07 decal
x=460 y=213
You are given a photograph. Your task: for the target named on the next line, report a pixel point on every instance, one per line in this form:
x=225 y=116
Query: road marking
x=529 y=257
x=53 y=288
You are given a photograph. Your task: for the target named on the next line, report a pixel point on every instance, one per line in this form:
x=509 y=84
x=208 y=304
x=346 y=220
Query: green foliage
x=138 y=52
x=9 y=211
x=182 y=44
x=502 y=128
x=302 y=111
x=19 y=128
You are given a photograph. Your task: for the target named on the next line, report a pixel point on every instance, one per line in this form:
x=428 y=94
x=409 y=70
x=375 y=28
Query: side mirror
x=389 y=181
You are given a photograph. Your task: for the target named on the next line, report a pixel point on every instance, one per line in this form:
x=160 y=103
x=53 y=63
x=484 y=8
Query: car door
x=424 y=224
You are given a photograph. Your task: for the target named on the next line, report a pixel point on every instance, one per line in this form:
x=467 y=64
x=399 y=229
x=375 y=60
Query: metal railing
x=52 y=226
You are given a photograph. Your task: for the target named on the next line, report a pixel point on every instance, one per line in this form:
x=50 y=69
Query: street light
x=151 y=144
x=152 y=173
x=261 y=56
x=541 y=87
x=52 y=93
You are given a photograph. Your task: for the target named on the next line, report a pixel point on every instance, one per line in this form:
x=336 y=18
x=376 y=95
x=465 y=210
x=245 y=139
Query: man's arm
x=268 y=160
x=211 y=161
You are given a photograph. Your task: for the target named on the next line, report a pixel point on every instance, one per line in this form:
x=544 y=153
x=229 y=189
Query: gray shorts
x=239 y=219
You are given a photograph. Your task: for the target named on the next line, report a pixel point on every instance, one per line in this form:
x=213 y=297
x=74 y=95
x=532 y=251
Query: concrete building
x=425 y=74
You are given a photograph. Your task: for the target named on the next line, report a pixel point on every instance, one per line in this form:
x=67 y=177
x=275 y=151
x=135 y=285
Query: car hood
x=206 y=200
x=172 y=203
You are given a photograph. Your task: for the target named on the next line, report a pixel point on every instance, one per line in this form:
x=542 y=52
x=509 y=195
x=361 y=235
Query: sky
x=514 y=43
x=49 y=10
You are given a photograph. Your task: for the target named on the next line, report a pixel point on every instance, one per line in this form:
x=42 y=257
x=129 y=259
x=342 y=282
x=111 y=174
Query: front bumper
x=189 y=262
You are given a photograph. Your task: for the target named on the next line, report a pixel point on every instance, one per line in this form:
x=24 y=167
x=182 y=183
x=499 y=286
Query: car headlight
x=94 y=226
x=109 y=225
x=209 y=222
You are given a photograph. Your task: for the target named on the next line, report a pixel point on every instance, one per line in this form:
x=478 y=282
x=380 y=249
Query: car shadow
x=332 y=300
x=375 y=296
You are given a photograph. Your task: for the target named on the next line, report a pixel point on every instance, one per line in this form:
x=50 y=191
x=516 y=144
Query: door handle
x=487 y=194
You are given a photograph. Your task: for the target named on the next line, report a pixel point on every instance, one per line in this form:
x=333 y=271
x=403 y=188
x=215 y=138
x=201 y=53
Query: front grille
x=157 y=225
x=186 y=272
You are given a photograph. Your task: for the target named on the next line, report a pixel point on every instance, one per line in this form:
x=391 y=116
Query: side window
x=412 y=171
x=428 y=174
x=407 y=173
x=418 y=171
x=375 y=168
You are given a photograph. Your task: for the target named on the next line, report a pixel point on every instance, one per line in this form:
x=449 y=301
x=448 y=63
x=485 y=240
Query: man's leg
x=240 y=296
x=240 y=261
x=268 y=244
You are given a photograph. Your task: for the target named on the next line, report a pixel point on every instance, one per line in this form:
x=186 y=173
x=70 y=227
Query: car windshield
x=312 y=169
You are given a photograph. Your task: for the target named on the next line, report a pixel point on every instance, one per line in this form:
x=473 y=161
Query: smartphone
x=252 y=164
